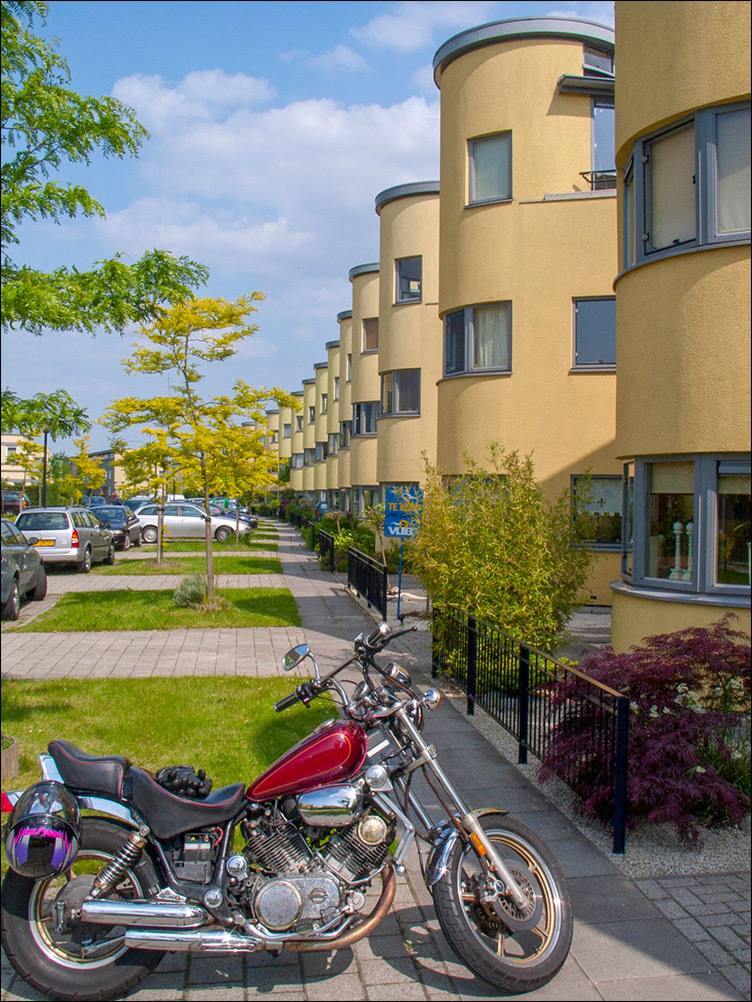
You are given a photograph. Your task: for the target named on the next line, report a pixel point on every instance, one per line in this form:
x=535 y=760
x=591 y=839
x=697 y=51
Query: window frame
x=594 y=544
x=591 y=366
x=398 y=297
x=469 y=341
x=358 y=412
x=395 y=391
x=637 y=172
x=364 y=349
x=471 y=172
x=707 y=470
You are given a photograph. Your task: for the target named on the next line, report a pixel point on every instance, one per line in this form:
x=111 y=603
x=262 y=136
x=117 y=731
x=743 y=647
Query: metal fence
x=368 y=578
x=540 y=700
x=326 y=549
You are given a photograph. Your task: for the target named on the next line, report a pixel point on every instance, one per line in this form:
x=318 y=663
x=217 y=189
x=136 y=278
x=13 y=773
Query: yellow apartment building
x=365 y=388
x=309 y=437
x=332 y=424
x=296 y=445
x=683 y=289
x=321 y=377
x=344 y=319
x=410 y=331
x=527 y=242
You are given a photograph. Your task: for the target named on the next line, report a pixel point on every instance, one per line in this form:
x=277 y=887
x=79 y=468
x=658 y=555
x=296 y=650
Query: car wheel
x=12 y=608
x=127 y=541
x=149 y=534
x=40 y=590
x=138 y=541
x=222 y=534
x=85 y=565
x=110 y=558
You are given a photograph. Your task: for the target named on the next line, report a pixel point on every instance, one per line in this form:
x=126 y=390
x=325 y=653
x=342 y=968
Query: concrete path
x=664 y=938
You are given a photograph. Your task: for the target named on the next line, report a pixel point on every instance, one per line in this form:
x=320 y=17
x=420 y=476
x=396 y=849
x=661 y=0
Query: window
x=349 y=368
x=345 y=430
x=365 y=416
x=296 y=461
x=321 y=452
x=595 y=333
x=371 y=334
x=409 y=279
x=336 y=387
x=596 y=62
x=478 y=338
x=311 y=414
x=490 y=168
x=299 y=422
x=287 y=431
x=11 y=450
x=308 y=455
x=333 y=443
x=688 y=186
x=324 y=403
x=688 y=524
x=603 y=152
x=400 y=392
x=601 y=514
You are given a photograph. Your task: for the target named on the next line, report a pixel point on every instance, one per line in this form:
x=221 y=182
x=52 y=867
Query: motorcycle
x=90 y=903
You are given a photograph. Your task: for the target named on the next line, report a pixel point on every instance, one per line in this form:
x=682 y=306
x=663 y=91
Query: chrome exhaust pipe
x=183 y=941
x=170 y=914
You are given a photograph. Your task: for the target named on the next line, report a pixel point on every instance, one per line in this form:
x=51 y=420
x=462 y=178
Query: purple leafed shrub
x=688 y=729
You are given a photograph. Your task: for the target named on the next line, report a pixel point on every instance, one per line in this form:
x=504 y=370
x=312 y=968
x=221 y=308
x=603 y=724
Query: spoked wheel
x=516 y=950
x=65 y=958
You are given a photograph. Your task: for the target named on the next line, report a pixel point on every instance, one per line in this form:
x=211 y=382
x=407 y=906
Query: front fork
x=468 y=822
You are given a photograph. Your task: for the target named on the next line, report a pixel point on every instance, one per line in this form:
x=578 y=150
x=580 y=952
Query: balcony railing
x=599 y=180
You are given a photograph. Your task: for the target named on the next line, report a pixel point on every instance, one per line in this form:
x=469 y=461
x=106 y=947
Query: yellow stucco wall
x=410 y=334
x=345 y=396
x=676 y=57
x=683 y=354
x=634 y=618
x=366 y=384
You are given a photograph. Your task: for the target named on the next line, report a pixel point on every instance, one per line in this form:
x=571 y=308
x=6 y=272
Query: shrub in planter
x=689 y=751
x=191 y=592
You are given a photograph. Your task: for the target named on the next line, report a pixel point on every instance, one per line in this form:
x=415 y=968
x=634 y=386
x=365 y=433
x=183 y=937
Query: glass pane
x=672 y=186
x=407 y=391
x=734 y=545
x=454 y=325
x=409 y=273
x=628 y=505
x=491 y=337
x=595 y=331
x=387 y=392
x=672 y=526
x=603 y=510
x=604 y=155
x=733 y=170
x=371 y=334
x=629 y=220
x=491 y=168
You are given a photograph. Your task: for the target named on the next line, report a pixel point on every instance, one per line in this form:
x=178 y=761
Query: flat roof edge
x=405 y=191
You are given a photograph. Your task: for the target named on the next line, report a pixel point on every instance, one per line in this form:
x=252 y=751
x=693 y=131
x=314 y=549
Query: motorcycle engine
x=313 y=867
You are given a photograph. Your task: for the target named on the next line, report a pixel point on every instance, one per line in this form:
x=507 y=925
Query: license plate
x=45 y=542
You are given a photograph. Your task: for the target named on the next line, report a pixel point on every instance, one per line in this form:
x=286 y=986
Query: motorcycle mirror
x=293 y=657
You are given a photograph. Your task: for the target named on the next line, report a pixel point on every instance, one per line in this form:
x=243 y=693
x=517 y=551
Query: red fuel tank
x=331 y=754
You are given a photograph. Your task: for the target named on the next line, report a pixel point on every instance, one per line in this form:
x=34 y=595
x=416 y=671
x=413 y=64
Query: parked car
x=21 y=571
x=126 y=528
x=185 y=521
x=14 y=502
x=93 y=501
x=69 y=535
x=249 y=520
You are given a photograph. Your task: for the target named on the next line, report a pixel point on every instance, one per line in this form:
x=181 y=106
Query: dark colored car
x=14 y=502
x=21 y=571
x=94 y=500
x=126 y=528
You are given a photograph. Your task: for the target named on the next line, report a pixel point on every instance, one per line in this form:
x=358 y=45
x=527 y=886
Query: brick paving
x=658 y=938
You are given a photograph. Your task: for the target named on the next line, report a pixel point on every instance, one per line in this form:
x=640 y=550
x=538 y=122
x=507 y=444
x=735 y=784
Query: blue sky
x=273 y=127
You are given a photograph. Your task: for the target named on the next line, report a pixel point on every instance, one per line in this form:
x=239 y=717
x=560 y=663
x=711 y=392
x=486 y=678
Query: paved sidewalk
x=664 y=938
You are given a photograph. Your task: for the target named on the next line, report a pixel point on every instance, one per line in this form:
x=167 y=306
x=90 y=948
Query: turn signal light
x=74 y=540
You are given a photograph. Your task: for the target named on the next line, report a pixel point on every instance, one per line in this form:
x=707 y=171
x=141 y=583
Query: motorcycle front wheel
x=78 y=961
x=520 y=951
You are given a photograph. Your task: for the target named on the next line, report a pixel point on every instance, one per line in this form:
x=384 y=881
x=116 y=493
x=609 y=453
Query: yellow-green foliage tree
x=89 y=475
x=199 y=430
x=491 y=544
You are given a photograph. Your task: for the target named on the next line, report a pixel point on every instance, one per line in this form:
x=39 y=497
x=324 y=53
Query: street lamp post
x=44 y=469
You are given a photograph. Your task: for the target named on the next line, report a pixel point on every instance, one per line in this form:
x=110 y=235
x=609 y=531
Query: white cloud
x=603 y=12
x=341 y=57
x=415 y=23
x=422 y=80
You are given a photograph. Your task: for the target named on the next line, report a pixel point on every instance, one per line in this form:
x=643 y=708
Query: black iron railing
x=538 y=700
x=599 y=179
x=326 y=549
x=368 y=578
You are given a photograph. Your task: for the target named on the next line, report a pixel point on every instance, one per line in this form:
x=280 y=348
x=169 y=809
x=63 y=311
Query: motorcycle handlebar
x=378 y=640
x=286 y=703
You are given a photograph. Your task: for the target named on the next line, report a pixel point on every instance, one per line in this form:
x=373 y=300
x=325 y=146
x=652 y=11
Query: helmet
x=44 y=831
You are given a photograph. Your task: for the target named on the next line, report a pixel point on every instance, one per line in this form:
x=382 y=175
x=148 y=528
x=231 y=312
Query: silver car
x=185 y=521
x=71 y=535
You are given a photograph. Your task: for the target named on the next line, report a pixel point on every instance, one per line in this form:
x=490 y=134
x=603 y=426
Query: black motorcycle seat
x=168 y=814
x=82 y=771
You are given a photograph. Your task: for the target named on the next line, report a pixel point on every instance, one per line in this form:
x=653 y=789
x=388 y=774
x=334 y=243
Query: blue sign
x=402 y=514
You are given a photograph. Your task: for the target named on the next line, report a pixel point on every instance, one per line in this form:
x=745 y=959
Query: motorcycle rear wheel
x=525 y=953
x=83 y=962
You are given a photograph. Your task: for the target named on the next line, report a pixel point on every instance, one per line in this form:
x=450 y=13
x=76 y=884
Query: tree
x=490 y=543
x=89 y=475
x=45 y=126
x=200 y=431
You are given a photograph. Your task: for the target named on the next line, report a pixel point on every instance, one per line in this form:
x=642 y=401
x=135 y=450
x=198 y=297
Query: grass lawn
x=227 y=726
x=197 y=545
x=194 y=565
x=154 y=610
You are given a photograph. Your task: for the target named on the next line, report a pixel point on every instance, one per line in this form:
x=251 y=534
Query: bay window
x=365 y=416
x=478 y=338
x=400 y=392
